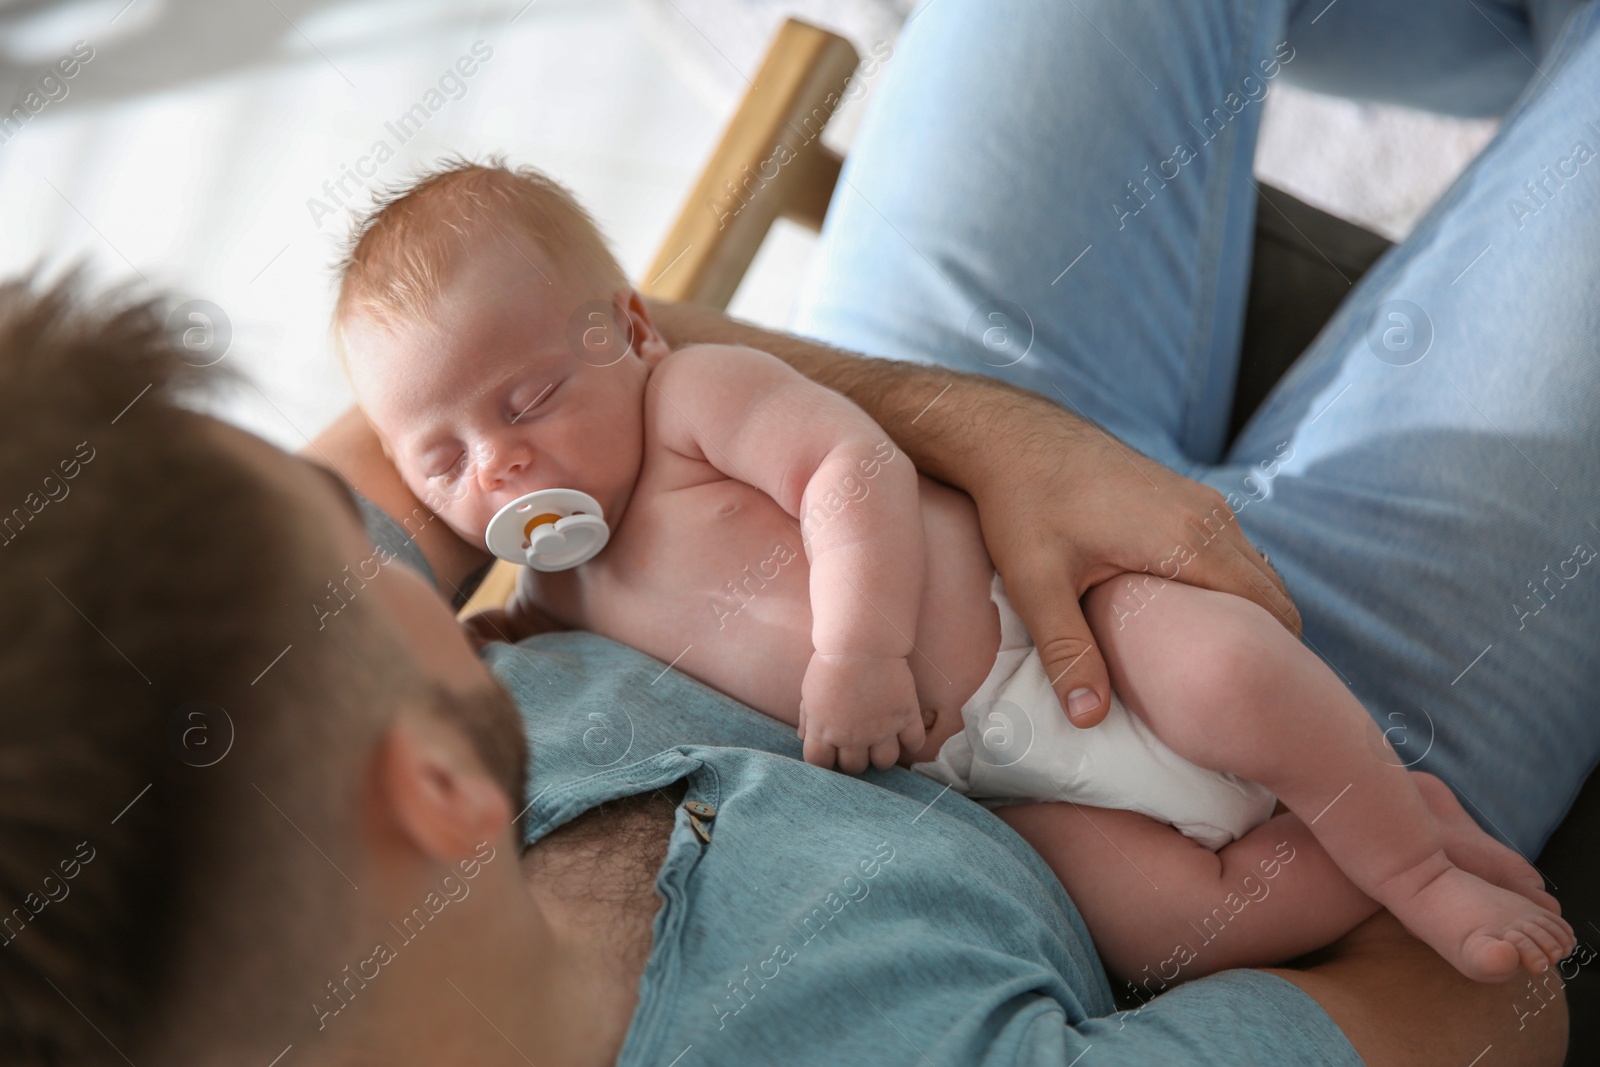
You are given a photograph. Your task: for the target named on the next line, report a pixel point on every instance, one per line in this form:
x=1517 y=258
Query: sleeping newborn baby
x=769 y=540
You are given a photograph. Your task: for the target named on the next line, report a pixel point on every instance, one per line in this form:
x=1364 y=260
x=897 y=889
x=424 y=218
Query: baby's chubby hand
x=858 y=709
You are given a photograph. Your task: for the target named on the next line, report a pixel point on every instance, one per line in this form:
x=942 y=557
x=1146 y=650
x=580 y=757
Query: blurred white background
x=191 y=151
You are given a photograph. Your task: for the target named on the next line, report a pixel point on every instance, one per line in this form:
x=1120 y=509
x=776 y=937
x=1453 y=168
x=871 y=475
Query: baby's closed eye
x=450 y=469
x=523 y=402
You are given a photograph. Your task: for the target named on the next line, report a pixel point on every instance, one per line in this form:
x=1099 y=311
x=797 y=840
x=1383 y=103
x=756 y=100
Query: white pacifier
x=549 y=530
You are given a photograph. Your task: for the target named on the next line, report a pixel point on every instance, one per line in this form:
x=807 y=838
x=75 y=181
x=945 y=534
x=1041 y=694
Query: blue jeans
x=1060 y=194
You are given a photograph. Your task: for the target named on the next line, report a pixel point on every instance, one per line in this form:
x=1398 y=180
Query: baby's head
x=494 y=344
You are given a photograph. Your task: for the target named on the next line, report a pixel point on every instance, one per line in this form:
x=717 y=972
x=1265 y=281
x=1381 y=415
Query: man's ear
x=435 y=790
x=634 y=318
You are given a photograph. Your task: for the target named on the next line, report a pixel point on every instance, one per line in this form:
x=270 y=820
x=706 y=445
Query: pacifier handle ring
x=549 y=518
x=569 y=525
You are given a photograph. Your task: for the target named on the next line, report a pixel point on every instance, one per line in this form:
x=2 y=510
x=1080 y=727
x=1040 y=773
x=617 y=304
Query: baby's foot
x=1482 y=930
x=1475 y=851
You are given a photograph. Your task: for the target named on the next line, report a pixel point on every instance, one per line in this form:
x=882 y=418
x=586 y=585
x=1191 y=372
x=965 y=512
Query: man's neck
x=540 y=964
x=522 y=989
x=549 y=976
x=521 y=1000
x=509 y=985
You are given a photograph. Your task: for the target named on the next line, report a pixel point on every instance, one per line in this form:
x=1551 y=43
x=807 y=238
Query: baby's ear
x=643 y=337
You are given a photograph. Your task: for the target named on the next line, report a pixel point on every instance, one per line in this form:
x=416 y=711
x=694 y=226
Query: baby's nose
x=499 y=463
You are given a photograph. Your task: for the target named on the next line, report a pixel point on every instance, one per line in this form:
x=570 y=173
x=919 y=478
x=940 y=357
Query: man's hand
x=858 y=709
x=1063 y=506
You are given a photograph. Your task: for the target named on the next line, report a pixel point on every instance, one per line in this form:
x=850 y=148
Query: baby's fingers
x=885 y=753
x=916 y=732
x=853 y=759
x=819 y=753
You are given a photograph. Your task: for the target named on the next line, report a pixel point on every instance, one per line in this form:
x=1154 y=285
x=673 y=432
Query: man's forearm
x=1399 y=1003
x=944 y=420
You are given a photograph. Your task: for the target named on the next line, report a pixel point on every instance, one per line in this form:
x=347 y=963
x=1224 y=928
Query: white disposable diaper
x=1018 y=745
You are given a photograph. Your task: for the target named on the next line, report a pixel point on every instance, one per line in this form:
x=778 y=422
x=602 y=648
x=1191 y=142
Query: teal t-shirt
x=810 y=917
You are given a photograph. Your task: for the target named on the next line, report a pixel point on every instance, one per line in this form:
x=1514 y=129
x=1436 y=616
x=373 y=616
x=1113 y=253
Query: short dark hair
x=148 y=579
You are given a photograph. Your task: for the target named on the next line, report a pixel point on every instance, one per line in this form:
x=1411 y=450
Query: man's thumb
x=1077 y=673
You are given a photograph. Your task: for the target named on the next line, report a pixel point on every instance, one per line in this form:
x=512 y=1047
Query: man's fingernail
x=1081 y=702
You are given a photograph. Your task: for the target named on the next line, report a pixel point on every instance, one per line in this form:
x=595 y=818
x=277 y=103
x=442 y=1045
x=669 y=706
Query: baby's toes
x=1559 y=929
x=1549 y=942
x=1530 y=954
x=1549 y=949
x=1561 y=932
x=1487 y=958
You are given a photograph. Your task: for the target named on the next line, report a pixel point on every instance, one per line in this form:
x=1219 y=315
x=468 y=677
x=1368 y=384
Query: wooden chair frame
x=770 y=163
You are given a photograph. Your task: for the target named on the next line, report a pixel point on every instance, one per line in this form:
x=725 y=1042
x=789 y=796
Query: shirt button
x=701 y=830
x=705 y=811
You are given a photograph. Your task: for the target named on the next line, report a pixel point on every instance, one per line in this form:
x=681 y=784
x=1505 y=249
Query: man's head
x=494 y=343
x=199 y=763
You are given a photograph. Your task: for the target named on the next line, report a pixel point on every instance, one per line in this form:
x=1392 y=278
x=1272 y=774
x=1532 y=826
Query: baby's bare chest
x=689 y=555
x=706 y=573
x=711 y=575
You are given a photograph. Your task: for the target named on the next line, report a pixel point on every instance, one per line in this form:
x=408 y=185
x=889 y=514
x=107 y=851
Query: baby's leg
x=1475 y=851
x=1164 y=909
x=1158 y=902
x=1227 y=688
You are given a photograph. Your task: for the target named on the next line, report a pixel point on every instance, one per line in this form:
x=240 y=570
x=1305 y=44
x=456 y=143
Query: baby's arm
x=829 y=465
